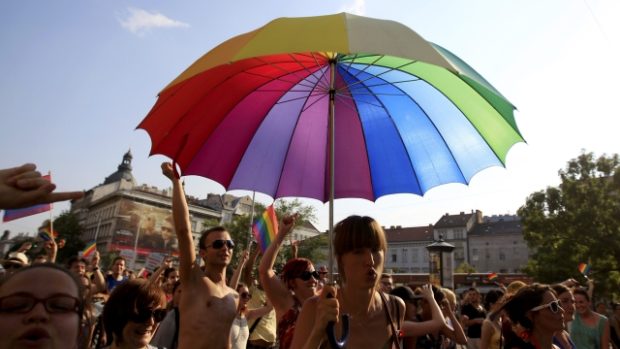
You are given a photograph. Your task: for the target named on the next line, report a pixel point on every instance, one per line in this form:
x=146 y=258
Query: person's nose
x=38 y=313
x=369 y=258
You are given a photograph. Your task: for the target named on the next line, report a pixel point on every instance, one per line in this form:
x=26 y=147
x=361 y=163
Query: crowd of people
x=193 y=305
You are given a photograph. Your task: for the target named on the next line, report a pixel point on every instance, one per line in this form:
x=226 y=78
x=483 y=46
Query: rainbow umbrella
x=337 y=106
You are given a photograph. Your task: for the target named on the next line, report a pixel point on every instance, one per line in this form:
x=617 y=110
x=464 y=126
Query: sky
x=78 y=76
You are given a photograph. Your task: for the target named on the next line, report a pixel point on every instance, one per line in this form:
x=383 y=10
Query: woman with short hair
x=132 y=314
x=40 y=306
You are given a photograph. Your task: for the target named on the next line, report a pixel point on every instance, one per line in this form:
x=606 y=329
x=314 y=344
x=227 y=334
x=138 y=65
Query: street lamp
x=441 y=261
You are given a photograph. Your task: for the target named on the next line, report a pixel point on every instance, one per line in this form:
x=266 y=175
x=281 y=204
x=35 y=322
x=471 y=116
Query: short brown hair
x=355 y=232
x=293 y=268
x=128 y=299
x=205 y=233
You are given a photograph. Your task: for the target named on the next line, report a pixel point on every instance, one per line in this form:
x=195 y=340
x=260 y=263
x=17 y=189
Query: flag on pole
x=13 y=214
x=584 y=268
x=265 y=228
x=48 y=233
x=492 y=276
x=89 y=249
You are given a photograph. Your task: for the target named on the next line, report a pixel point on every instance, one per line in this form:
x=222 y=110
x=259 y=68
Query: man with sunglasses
x=208 y=306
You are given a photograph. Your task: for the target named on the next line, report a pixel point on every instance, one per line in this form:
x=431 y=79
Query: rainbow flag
x=492 y=276
x=11 y=215
x=265 y=228
x=47 y=233
x=89 y=249
x=584 y=268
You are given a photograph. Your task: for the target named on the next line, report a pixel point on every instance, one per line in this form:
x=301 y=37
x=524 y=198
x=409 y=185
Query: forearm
x=459 y=334
x=269 y=258
x=180 y=215
x=234 y=280
x=99 y=281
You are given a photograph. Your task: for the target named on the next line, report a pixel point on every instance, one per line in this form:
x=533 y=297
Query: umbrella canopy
x=408 y=115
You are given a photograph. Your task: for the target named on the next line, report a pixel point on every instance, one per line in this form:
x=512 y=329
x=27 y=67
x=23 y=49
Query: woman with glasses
x=40 y=307
x=287 y=293
x=536 y=315
x=562 y=338
x=240 y=332
x=132 y=314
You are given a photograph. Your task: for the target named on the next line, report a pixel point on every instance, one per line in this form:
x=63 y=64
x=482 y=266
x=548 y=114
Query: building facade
x=407 y=249
x=497 y=245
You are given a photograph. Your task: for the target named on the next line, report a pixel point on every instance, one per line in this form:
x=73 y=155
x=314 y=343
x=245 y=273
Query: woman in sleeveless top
x=375 y=319
x=491 y=332
x=536 y=312
x=444 y=337
x=239 y=331
x=298 y=282
x=589 y=330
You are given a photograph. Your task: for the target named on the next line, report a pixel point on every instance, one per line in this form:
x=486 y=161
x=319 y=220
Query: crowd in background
x=193 y=303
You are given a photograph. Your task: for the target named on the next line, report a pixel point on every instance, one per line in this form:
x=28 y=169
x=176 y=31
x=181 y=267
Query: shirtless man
x=208 y=306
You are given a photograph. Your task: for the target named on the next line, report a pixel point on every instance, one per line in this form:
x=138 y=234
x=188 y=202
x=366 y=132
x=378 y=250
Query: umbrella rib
x=413 y=170
x=271 y=78
x=344 y=95
x=376 y=76
x=320 y=82
x=309 y=72
x=306 y=107
x=288 y=72
x=298 y=98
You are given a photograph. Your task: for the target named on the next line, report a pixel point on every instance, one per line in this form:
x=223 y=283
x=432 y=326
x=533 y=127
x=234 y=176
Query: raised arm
x=182 y=226
x=437 y=321
x=455 y=332
x=243 y=259
x=247 y=270
x=275 y=289
x=258 y=312
x=98 y=279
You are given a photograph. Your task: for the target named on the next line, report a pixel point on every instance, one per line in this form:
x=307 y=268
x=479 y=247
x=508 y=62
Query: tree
x=239 y=228
x=465 y=268
x=579 y=221
x=69 y=229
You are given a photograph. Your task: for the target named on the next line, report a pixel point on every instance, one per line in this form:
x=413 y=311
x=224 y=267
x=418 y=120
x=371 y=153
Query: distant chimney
x=479 y=219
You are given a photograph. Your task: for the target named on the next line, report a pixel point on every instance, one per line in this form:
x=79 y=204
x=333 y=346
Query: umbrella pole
x=344 y=318
x=332 y=95
x=251 y=221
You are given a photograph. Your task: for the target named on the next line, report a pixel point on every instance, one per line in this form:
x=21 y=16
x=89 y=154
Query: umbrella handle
x=331 y=332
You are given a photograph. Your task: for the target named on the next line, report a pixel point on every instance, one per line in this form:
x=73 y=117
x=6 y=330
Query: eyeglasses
x=12 y=266
x=22 y=303
x=143 y=316
x=245 y=295
x=554 y=306
x=218 y=244
x=306 y=275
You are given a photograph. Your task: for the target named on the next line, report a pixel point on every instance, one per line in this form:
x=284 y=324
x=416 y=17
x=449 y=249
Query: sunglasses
x=143 y=316
x=306 y=275
x=554 y=306
x=24 y=302
x=218 y=244
x=245 y=295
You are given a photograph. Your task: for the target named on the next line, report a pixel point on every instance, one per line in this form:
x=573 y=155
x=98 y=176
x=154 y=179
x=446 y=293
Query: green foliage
x=465 y=268
x=239 y=229
x=579 y=221
x=68 y=228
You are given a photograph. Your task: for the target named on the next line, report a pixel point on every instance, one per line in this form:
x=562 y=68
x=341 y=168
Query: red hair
x=293 y=268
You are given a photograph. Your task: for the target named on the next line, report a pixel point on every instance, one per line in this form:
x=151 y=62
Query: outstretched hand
x=23 y=186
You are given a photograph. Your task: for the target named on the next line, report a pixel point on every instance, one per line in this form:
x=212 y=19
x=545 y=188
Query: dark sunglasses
x=24 y=302
x=246 y=295
x=217 y=244
x=554 y=306
x=145 y=315
x=306 y=275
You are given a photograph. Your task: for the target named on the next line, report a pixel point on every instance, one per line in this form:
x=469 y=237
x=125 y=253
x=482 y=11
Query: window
x=394 y=258
x=502 y=255
x=405 y=257
x=474 y=251
x=414 y=255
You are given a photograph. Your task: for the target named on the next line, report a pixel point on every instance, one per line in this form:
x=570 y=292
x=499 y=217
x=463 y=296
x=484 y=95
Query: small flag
x=492 y=276
x=265 y=228
x=47 y=233
x=584 y=268
x=90 y=249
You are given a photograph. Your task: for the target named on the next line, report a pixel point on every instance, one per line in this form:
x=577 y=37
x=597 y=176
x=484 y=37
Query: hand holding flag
x=584 y=269
x=265 y=228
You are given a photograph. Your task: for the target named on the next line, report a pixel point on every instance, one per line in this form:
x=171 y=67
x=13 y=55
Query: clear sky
x=78 y=76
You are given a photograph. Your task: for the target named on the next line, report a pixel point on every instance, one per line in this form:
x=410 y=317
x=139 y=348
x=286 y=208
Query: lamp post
x=441 y=261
